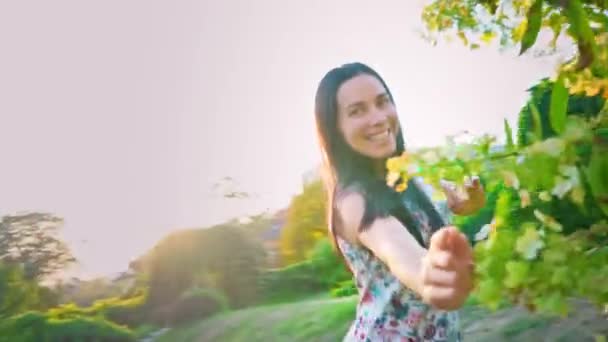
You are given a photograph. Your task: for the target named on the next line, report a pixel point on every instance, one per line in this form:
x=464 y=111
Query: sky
x=119 y=116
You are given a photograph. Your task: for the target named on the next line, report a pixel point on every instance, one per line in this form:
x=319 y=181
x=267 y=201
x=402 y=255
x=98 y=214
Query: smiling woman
x=410 y=283
x=369 y=121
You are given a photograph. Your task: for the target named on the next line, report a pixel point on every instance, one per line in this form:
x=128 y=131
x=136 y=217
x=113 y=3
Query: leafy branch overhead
x=519 y=22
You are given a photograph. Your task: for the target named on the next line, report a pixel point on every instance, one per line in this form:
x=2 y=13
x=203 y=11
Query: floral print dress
x=389 y=311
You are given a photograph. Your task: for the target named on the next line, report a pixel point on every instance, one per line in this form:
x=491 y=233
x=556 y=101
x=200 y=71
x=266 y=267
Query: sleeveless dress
x=387 y=310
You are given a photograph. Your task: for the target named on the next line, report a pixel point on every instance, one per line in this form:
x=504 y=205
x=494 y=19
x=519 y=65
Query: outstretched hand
x=464 y=201
x=447 y=270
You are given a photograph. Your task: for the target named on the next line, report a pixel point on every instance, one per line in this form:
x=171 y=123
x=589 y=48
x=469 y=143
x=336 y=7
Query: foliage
x=530 y=255
x=30 y=240
x=86 y=292
x=36 y=326
x=535 y=251
x=306 y=223
x=326 y=265
x=518 y=22
x=291 y=281
x=540 y=98
x=17 y=294
x=122 y=311
x=322 y=271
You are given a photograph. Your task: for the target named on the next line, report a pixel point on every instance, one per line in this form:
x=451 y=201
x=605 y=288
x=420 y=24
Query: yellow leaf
x=593 y=89
x=401 y=187
x=463 y=37
x=395 y=164
x=518 y=33
x=487 y=37
x=392 y=178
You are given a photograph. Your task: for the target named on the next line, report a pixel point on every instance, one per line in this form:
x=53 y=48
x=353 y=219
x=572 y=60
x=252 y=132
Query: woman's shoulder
x=349 y=208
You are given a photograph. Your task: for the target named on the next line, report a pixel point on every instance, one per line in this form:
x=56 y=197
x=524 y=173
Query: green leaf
x=538 y=129
x=560 y=276
x=597 y=175
x=517 y=272
x=559 y=105
x=509 y=134
x=534 y=20
x=553 y=303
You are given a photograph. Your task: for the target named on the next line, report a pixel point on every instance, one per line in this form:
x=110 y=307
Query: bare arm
x=440 y=275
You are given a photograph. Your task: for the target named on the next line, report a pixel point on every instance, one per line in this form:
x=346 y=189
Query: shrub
x=290 y=281
x=36 y=326
x=326 y=266
x=129 y=312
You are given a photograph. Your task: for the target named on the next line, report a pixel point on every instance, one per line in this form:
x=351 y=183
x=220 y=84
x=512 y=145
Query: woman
x=412 y=272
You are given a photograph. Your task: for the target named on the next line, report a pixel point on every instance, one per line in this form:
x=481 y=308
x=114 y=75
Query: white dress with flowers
x=387 y=310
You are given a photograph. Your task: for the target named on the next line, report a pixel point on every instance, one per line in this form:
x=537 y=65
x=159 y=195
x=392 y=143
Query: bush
x=129 y=312
x=321 y=272
x=37 y=326
x=197 y=304
x=291 y=281
x=327 y=266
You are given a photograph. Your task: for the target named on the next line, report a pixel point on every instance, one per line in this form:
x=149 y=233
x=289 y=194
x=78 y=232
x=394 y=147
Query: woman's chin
x=382 y=154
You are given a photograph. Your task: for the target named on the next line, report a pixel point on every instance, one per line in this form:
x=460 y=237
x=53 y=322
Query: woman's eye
x=383 y=101
x=355 y=112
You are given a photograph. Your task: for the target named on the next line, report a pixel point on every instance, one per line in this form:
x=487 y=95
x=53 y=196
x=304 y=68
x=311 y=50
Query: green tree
x=306 y=223
x=31 y=241
x=17 y=294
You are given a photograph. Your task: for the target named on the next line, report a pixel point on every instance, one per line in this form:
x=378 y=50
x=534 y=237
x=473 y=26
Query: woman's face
x=367 y=117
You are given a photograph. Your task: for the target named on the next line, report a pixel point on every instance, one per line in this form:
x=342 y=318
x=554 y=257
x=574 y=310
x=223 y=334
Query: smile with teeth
x=379 y=136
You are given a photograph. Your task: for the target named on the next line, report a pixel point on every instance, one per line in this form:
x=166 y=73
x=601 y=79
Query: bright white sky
x=119 y=115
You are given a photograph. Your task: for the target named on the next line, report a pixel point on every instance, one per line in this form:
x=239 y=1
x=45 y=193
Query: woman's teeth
x=379 y=136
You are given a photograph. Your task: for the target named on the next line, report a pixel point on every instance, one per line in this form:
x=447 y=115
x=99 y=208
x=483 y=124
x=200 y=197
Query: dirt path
x=153 y=336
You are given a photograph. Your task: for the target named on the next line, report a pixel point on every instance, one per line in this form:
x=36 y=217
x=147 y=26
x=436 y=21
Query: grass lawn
x=328 y=319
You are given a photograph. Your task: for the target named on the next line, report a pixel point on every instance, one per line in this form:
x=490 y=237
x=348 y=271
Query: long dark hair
x=344 y=168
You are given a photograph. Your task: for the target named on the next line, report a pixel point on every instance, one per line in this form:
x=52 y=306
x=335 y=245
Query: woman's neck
x=380 y=168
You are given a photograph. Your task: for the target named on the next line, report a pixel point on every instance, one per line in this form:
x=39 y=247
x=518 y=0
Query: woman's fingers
x=443 y=259
x=440 y=240
x=444 y=298
x=440 y=277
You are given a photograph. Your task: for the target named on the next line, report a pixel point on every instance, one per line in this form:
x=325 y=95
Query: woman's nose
x=378 y=117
